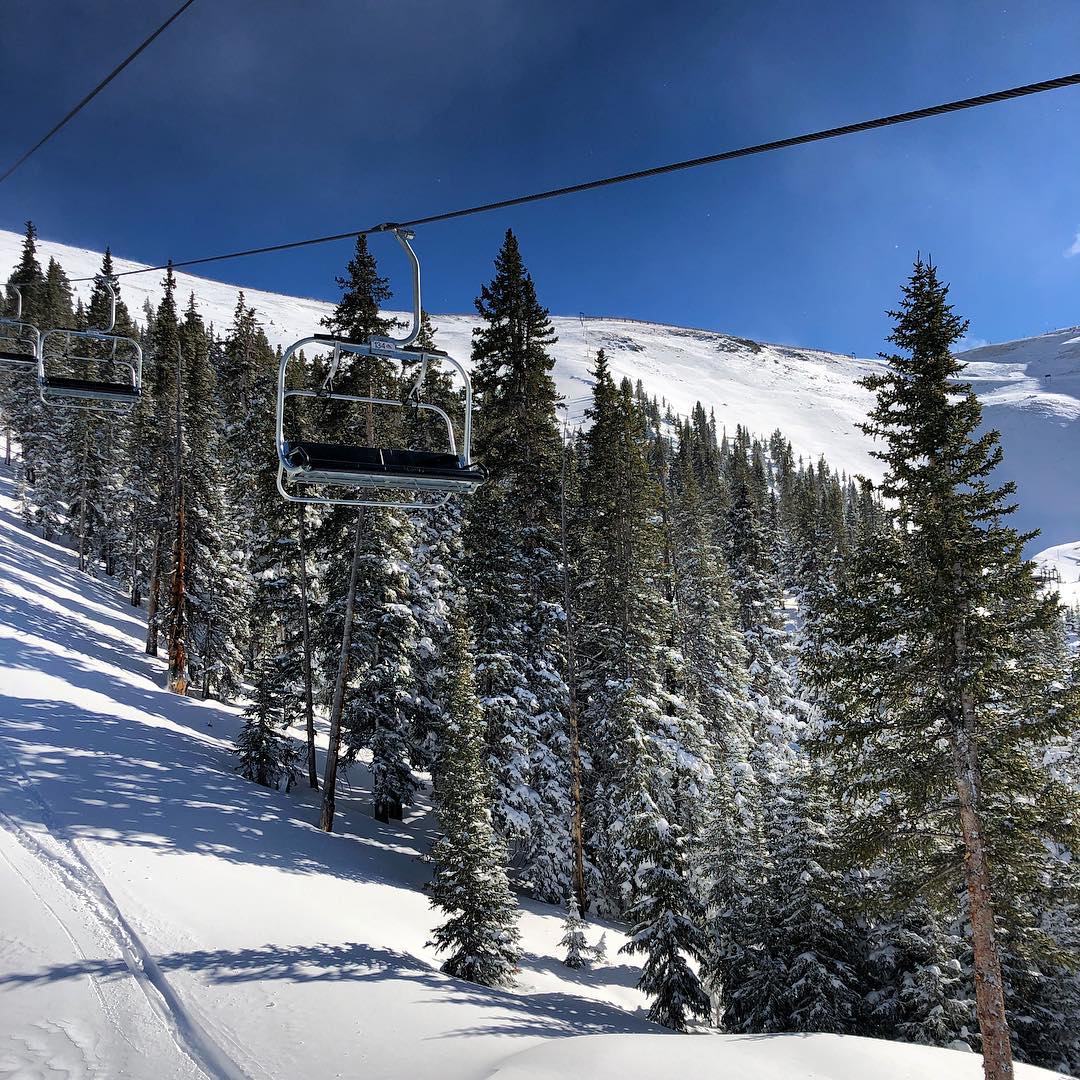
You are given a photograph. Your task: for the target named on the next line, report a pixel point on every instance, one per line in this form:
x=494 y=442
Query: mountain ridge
x=1029 y=387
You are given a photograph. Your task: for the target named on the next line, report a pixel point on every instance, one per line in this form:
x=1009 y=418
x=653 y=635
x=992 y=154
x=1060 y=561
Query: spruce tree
x=624 y=643
x=573 y=938
x=470 y=884
x=18 y=390
x=666 y=928
x=936 y=694
x=512 y=573
x=358 y=539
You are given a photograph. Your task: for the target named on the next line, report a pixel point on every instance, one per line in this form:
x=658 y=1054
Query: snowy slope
x=1031 y=387
x=1065 y=559
x=164 y=918
x=161 y=916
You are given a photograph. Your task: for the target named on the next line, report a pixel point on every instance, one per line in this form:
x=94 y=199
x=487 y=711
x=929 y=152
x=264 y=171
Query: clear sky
x=257 y=121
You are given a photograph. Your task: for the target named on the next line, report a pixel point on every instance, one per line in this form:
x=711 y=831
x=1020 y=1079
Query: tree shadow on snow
x=545 y=1015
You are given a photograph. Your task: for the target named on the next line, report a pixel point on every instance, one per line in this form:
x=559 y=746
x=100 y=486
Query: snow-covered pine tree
x=513 y=577
x=215 y=588
x=18 y=389
x=360 y=539
x=47 y=460
x=631 y=723
x=573 y=938
x=936 y=694
x=268 y=756
x=666 y=929
x=470 y=884
x=162 y=357
x=916 y=990
x=807 y=973
x=91 y=487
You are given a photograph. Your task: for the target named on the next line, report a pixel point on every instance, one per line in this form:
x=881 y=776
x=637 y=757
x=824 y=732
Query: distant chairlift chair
x=19 y=340
x=64 y=369
x=305 y=467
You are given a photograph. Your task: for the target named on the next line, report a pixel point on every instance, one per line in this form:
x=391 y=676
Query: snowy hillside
x=1031 y=387
x=1065 y=559
x=162 y=917
x=159 y=911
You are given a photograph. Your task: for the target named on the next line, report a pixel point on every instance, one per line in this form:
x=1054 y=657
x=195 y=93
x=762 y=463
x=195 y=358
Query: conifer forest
x=813 y=742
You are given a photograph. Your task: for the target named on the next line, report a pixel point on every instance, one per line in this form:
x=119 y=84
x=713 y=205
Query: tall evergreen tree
x=937 y=697
x=514 y=580
x=470 y=884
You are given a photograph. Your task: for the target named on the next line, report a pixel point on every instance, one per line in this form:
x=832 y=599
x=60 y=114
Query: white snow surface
x=744 y=1057
x=1065 y=558
x=1030 y=387
x=162 y=917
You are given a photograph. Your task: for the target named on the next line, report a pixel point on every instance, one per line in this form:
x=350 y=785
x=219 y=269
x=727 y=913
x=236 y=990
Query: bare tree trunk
x=989 y=984
x=326 y=821
x=153 y=598
x=178 y=668
x=82 y=497
x=305 y=624
x=577 y=832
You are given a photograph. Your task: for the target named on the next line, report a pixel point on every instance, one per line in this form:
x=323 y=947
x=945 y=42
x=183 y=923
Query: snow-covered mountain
x=162 y=917
x=1030 y=387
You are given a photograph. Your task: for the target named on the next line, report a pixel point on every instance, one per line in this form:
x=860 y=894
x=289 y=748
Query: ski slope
x=164 y=918
x=1030 y=387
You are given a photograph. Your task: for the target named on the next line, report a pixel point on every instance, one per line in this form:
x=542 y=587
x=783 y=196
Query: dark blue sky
x=257 y=121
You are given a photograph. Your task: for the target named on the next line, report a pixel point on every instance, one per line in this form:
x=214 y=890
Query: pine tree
x=357 y=318
x=917 y=991
x=624 y=635
x=573 y=938
x=162 y=459
x=268 y=756
x=666 y=929
x=469 y=884
x=18 y=390
x=46 y=459
x=513 y=577
x=936 y=695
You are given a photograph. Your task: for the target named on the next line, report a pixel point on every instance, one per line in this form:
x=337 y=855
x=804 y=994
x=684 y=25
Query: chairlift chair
x=27 y=338
x=75 y=390
x=307 y=467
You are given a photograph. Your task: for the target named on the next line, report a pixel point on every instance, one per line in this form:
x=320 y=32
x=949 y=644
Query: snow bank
x=744 y=1057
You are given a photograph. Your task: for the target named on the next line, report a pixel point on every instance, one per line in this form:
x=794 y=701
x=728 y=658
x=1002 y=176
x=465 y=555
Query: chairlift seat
x=17 y=358
x=89 y=388
x=332 y=463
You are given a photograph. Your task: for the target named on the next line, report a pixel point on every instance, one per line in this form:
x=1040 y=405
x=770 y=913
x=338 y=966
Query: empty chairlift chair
x=311 y=471
x=19 y=340
x=92 y=369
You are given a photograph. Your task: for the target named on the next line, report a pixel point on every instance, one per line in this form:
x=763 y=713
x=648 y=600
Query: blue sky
x=257 y=121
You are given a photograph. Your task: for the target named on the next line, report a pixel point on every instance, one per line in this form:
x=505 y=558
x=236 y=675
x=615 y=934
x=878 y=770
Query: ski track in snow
x=48 y=844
